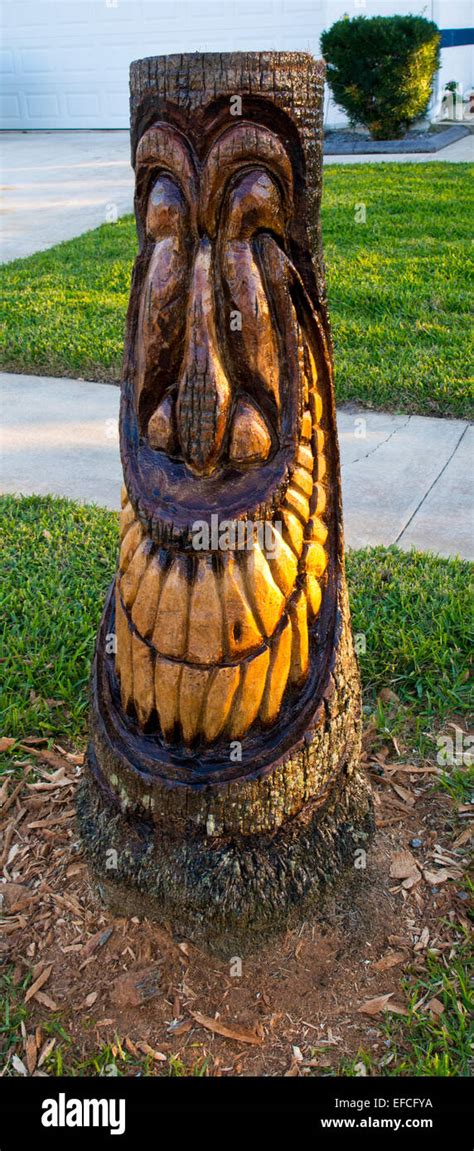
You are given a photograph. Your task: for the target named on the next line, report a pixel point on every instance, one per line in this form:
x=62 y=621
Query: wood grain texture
x=225 y=732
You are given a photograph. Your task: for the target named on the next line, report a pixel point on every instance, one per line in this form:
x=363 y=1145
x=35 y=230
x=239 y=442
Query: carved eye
x=254 y=204
x=166 y=208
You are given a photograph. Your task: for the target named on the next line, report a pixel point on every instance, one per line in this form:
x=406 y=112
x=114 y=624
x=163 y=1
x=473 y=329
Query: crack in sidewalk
x=430 y=489
x=380 y=445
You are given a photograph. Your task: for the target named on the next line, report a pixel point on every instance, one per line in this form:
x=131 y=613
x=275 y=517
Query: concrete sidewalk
x=406 y=479
x=57 y=185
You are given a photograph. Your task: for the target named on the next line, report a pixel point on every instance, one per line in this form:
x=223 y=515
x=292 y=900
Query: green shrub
x=380 y=70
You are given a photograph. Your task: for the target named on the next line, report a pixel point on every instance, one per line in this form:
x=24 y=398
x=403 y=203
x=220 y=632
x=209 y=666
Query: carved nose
x=204 y=392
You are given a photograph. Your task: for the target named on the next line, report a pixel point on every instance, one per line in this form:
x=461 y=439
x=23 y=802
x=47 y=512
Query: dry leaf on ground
x=241 y=1034
x=147 y=1050
x=39 y=982
x=435 y=878
x=31 y=1053
x=436 y=1006
x=6 y=743
x=423 y=941
x=46 y=1001
x=376 y=1005
x=88 y=1001
x=96 y=941
x=390 y=959
x=403 y=865
x=403 y=793
x=18 y=1065
x=45 y=1051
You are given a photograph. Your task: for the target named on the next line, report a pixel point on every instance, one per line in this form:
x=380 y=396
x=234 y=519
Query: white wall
x=65 y=62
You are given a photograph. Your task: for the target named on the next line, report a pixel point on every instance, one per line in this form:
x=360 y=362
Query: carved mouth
x=209 y=643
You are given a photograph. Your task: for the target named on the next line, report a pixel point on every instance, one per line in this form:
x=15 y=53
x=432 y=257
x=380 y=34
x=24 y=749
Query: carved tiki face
x=227 y=415
x=221 y=790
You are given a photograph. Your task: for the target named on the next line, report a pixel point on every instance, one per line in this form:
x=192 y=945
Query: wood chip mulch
x=303 y=1004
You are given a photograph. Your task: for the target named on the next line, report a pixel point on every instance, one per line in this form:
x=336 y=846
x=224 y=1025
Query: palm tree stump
x=222 y=792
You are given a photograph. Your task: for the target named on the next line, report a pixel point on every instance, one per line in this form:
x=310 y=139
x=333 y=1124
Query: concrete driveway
x=57 y=185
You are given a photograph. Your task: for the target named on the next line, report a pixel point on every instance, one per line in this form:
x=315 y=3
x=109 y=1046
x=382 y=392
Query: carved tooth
x=130 y=544
x=319 y=438
x=161 y=430
x=249 y=439
x=306 y=426
x=319 y=499
x=322 y=469
x=123 y=496
x=123 y=657
x=169 y=636
x=192 y=693
x=220 y=695
x=167 y=677
x=298 y=609
x=293 y=530
x=297 y=502
x=304 y=456
x=147 y=597
x=143 y=686
x=245 y=711
x=242 y=633
x=316 y=560
x=265 y=597
x=130 y=582
x=127 y=518
x=277 y=675
x=283 y=563
x=317 y=406
x=303 y=480
x=205 y=643
x=314 y=594
x=317 y=530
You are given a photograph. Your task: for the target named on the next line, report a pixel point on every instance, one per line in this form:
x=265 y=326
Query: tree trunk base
x=228 y=894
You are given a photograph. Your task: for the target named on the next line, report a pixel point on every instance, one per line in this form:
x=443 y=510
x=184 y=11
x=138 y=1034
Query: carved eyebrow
x=163 y=148
x=240 y=145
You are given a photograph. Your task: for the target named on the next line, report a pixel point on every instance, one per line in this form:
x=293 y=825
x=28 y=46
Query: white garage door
x=65 y=62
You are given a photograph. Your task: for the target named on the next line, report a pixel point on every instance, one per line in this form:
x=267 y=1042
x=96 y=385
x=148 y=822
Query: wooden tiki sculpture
x=222 y=791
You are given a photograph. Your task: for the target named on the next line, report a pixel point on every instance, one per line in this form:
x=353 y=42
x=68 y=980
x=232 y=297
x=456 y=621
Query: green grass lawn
x=398 y=291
